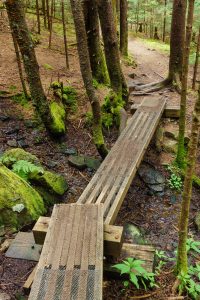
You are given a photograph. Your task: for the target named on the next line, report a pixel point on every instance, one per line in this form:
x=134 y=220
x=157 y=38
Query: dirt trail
x=149 y=61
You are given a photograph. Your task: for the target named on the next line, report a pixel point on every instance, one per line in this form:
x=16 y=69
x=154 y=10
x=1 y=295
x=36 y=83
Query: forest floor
x=156 y=216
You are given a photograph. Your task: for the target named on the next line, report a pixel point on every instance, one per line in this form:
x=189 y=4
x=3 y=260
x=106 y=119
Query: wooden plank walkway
x=71 y=262
x=112 y=180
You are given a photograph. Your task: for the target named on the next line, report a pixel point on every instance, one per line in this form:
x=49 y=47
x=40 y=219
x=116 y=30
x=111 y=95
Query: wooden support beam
x=170 y=111
x=113 y=236
x=145 y=253
x=28 y=283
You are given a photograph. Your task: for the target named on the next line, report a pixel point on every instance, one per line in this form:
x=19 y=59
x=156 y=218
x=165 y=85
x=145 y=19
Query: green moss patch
x=57 y=112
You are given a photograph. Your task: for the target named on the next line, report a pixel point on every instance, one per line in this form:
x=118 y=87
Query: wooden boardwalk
x=112 y=180
x=71 y=263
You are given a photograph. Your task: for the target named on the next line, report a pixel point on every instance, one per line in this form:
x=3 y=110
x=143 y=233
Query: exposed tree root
x=149 y=87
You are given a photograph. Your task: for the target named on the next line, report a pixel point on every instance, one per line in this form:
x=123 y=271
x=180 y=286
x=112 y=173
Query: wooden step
x=112 y=180
x=170 y=111
x=113 y=236
x=71 y=262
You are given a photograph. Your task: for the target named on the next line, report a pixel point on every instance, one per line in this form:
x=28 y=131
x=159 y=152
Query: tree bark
x=38 y=16
x=20 y=31
x=87 y=75
x=196 y=63
x=51 y=23
x=182 y=263
x=44 y=13
x=64 y=34
x=123 y=27
x=97 y=59
x=186 y=53
x=177 y=39
x=48 y=14
x=118 y=83
x=19 y=66
x=164 y=21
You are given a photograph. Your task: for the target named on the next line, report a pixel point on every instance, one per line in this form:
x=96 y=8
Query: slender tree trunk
x=38 y=15
x=182 y=263
x=177 y=39
x=118 y=83
x=87 y=75
x=20 y=31
x=51 y=23
x=156 y=37
x=19 y=66
x=164 y=21
x=181 y=148
x=44 y=13
x=123 y=27
x=48 y=14
x=64 y=34
x=97 y=59
x=196 y=63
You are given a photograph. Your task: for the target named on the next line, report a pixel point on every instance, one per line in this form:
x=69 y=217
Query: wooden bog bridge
x=71 y=262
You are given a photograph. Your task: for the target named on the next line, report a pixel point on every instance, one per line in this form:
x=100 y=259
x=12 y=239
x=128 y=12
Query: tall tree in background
x=124 y=27
x=38 y=15
x=117 y=79
x=196 y=62
x=182 y=263
x=64 y=33
x=97 y=59
x=20 y=31
x=177 y=40
x=164 y=21
x=86 y=71
x=184 y=80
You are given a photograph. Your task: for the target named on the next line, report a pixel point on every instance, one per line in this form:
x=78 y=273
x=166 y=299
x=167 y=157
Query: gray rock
x=197 y=221
x=4 y=118
x=134 y=235
x=77 y=161
x=153 y=179
x=22 y=143
x=69 y=151
x=13 y=130
x=12 y=143
x=159 y=138
x=170 y=146
x=92 y=163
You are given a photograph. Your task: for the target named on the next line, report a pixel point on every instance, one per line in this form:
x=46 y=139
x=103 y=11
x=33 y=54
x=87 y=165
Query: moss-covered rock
x=13 y=155
x=53 y=182
x=57 y=112
x=19 y=202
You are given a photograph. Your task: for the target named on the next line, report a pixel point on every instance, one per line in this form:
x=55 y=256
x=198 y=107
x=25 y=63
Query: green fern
x=23 y=168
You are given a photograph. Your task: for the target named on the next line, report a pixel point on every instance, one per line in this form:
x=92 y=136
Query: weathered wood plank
x=73 y=266
x=113 y=236
x=170 y=111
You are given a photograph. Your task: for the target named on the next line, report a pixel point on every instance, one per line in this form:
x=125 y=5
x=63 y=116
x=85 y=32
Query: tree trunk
x=38 y=15
x=196 y=63
x=51 y=23
x=164 y=21
x=19 y=66
x=20 y=31
x=87 y=75
x=156 y=37
x=186 y=53
x=123 y=27
x=47 y=14
x=118 y=83
x=44 y=13
x=177 y=39
x=182 y=263
x=64 y=34
x=97 y=59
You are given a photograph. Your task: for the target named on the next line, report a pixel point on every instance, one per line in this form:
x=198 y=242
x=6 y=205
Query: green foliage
x=133 y=268
x=162 y=260
x=175 y=180
x=111 y=109
x=70 y=98
x=193 y=245
x=187 y=283
x=21 y=99
x=23 y=169
x=48 y=67
x=89 y=118
x=95 y=83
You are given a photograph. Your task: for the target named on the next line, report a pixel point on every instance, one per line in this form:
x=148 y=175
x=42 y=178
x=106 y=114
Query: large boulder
x=20 y=204
x=13 y=155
